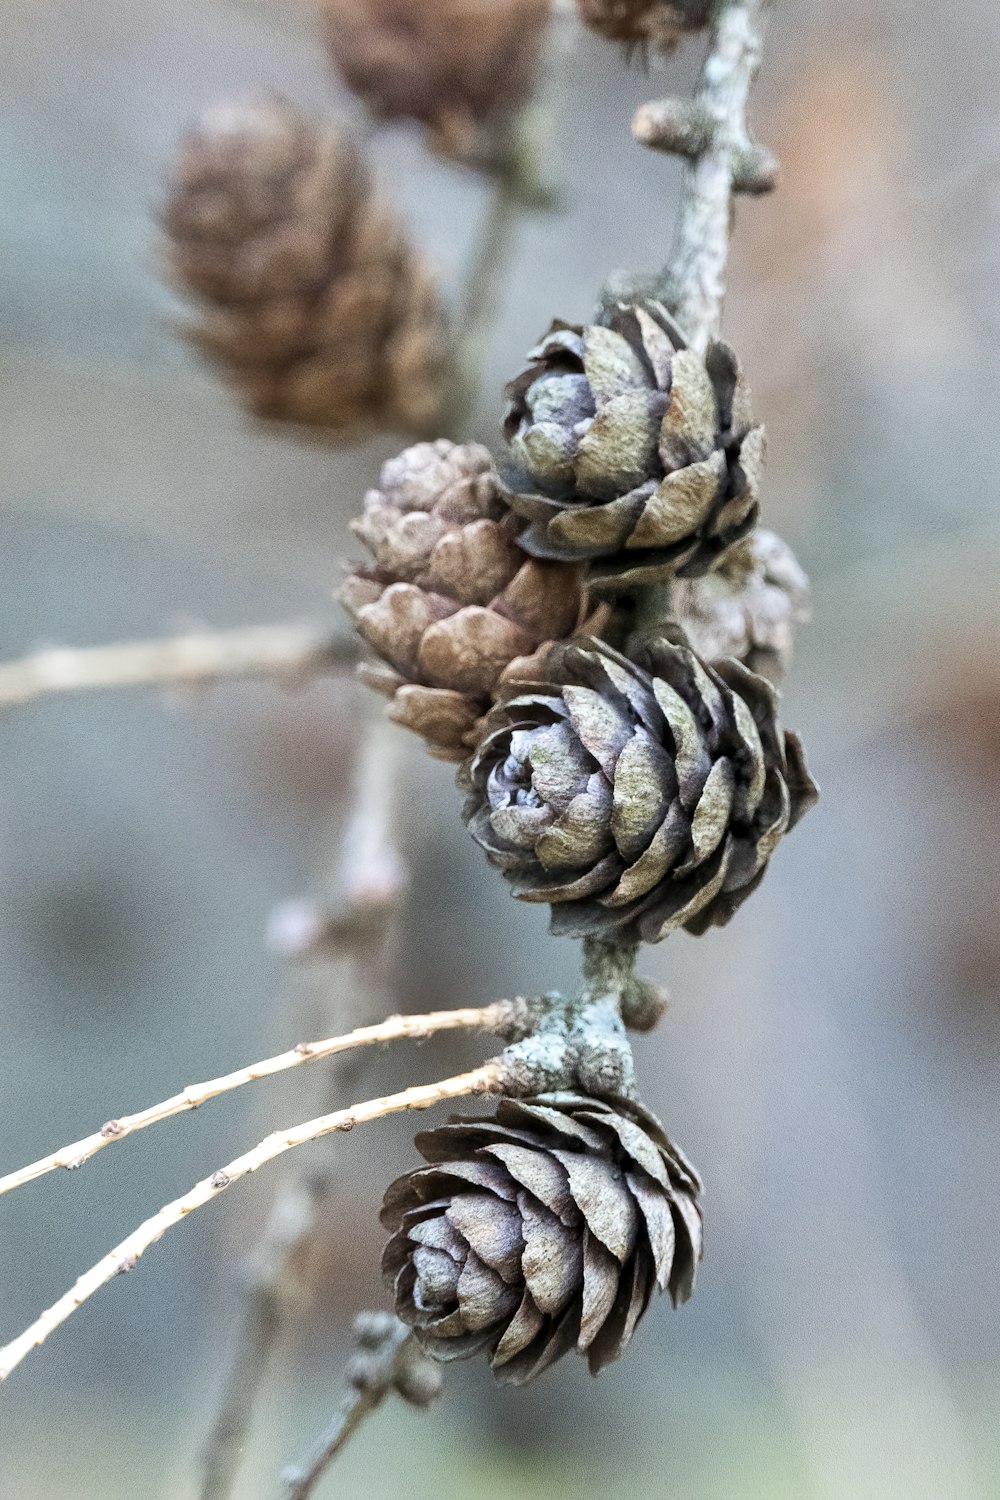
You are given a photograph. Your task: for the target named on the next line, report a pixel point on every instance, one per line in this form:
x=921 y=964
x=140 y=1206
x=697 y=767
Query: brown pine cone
x=748 y=608
x=637 y=452
x=460 y=67
x=659 y=24
x=544 y=1228
x=451 y=602
x=636 y=797
x=310 y=301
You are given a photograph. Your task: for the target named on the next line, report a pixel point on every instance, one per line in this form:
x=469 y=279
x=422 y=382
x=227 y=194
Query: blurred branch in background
x=352 y=919
x=291 y=652
x=389 y=1359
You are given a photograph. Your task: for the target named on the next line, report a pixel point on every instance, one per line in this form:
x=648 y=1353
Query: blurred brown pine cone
x=748 y=608
x=310 y=301
x=461 y=67
x=659 y=24
x=451 y=603
x=636 y=797
x=544 y=1228
x=636 y=452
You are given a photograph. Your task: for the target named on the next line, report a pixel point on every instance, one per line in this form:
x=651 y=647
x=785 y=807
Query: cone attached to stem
x=463 y=68
x=635 y=452
x=636 y=797
x=451 y=603
x=657 y=24
x=543 y=1229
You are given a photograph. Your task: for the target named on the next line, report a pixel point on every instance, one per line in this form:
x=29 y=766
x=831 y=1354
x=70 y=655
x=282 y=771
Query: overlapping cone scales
x=455 y=65
x=748 y=608
x=636 y=799
x=451 y=601
x=543 y=1229
x=309 y=299
x=637 y=453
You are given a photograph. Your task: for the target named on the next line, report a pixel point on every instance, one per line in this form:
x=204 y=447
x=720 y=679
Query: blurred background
x=830 y=1060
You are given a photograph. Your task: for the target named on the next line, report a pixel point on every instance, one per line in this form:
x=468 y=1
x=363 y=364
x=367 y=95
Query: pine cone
x=640 y=453
x=451 y=602
x=460 y=67
x=659 y=24
x=312 y=304
x=747 y=609
x=636 y=797
x=545 y=1227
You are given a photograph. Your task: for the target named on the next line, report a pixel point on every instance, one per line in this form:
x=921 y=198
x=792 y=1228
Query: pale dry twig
x=482 y=1018
x=485 y=1079
x=291 y=652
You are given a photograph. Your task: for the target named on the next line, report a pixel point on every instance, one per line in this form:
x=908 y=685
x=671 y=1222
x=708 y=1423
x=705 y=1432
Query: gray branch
x=726 y=161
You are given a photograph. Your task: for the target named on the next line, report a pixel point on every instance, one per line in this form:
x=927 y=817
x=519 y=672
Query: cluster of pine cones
x=530 y=624
x=633 y=784
x=592 y=630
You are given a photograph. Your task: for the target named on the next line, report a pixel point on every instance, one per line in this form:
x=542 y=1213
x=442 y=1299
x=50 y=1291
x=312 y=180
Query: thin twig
x=483 y=1018
x=391 y=1360
x=285 y=651
x=484 y=1079
x=697 y=271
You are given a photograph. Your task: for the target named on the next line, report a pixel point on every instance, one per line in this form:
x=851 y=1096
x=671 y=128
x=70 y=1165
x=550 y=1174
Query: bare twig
x=484 y=1079
x=390 y=1360
x=484 y=1018
x=712 y=133
x=284 y=651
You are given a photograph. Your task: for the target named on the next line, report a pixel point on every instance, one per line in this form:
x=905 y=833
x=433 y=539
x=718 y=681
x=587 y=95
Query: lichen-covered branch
x=290 y=652
x=712 y=133
x=485 y=1079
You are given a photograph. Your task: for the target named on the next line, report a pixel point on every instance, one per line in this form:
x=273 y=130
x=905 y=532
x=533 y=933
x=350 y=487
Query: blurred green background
x=830 y=1061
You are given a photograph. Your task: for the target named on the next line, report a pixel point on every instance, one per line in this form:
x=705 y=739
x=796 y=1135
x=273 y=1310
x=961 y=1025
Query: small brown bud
x=657 y=24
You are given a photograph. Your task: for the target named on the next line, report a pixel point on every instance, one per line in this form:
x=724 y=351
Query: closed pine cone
x=461 y=67
x=636 y=452
x=451 y=603
x=659 y=24
x=545 y=1228
x=308 y=297
x=748 y=608
x=636 y=797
